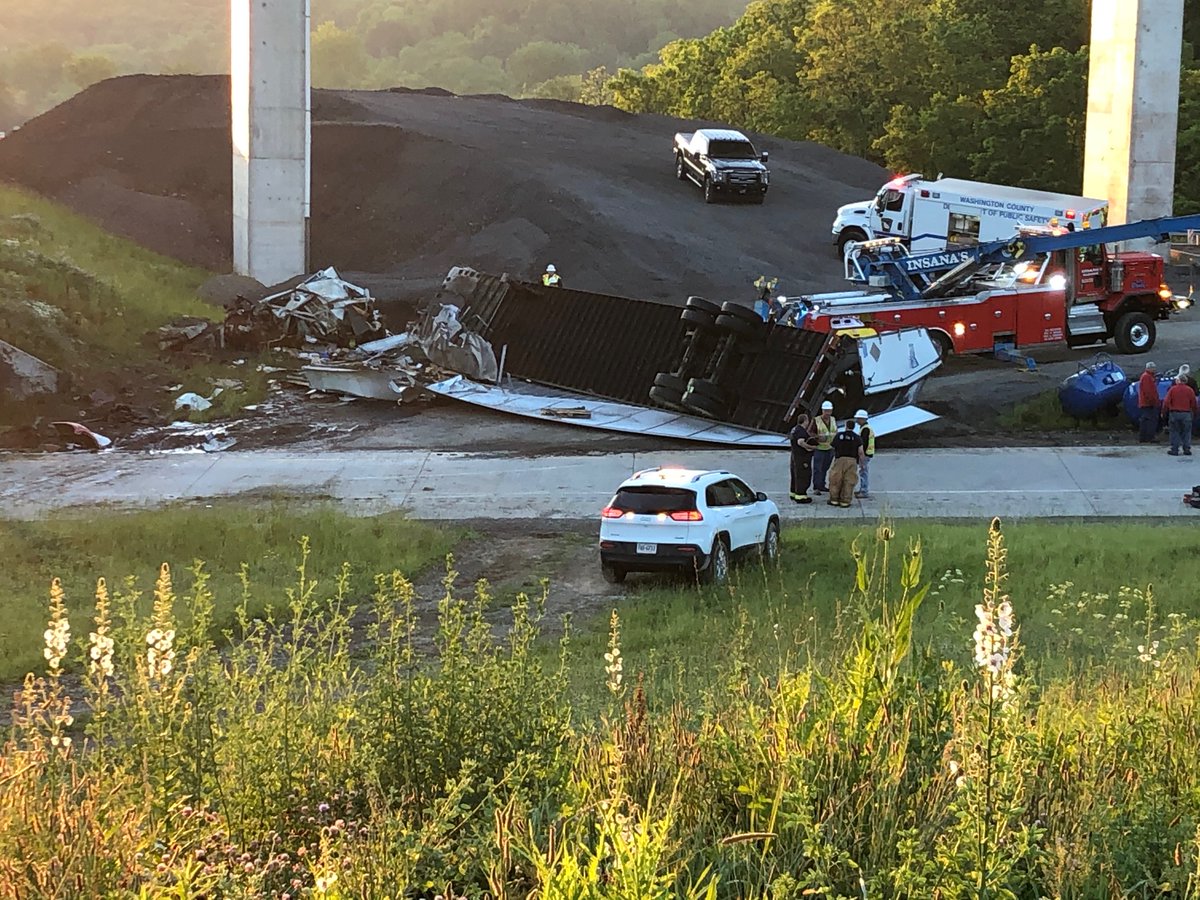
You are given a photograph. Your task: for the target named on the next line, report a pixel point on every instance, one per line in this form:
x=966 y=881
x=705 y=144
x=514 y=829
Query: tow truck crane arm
x=886 y=263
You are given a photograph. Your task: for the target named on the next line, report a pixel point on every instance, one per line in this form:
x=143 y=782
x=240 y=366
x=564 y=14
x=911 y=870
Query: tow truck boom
x=886 y=263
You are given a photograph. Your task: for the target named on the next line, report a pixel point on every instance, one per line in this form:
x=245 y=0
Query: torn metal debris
x=23 y=375
x=324 y=308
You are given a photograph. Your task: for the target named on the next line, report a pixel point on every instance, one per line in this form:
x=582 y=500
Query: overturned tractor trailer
x=716 y=373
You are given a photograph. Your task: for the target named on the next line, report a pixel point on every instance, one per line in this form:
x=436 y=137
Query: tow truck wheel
x=846 y=236
x=1135 y=333
x=945 y=345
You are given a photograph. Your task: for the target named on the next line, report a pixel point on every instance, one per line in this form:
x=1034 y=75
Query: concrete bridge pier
x=271 y=118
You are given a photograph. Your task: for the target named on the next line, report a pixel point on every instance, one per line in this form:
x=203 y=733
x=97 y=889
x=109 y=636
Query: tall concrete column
x=271 y=118
x=1133 y=106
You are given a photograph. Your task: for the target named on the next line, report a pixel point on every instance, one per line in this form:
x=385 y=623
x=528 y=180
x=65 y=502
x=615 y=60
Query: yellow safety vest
x=869 y=440
x=825 y=432
x=551 y=280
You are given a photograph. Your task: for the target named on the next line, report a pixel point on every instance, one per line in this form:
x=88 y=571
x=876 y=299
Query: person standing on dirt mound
x=1148 y=404
x=801 y=446
x=824 y=427
x=551 y=278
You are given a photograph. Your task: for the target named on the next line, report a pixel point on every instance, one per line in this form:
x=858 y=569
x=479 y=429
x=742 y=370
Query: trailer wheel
x=730 y=308
x=738 y=325
x=705 y=406
x=1135 y=333
x=666 y=397
x=702 y=387
x=696 y=318
x=703 y=305
x=670 y=382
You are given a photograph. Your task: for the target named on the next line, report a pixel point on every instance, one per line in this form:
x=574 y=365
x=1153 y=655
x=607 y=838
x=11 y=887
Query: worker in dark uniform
x=847 y=458
x=801 y=446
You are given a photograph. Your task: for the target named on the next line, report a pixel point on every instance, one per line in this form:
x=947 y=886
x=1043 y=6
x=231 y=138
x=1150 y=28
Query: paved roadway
x=1043 y=482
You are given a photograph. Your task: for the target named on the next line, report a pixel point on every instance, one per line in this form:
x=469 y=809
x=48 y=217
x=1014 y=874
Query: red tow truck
x=1043 y=286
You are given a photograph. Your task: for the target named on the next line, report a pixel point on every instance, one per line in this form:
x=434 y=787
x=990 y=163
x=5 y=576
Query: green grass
x=79 y=297
x=1045 y=413
x=117 y=545
x=670 y=630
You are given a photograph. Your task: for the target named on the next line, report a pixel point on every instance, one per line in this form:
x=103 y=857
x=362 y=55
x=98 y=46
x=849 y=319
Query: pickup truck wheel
x=703 y=305
x=710 y=193
x=1135 y=333
x=697 y=318
x=680 y=169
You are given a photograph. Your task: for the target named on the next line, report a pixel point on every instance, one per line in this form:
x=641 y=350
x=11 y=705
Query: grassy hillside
x=78 y=297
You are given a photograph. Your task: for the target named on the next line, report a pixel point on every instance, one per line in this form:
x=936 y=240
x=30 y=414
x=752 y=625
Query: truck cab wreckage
x=718 y=374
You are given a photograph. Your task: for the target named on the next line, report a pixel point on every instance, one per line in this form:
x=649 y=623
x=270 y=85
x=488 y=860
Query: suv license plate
x=647 y=548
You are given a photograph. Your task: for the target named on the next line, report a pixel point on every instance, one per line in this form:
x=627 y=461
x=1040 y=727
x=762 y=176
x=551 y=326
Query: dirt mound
x=408 y=183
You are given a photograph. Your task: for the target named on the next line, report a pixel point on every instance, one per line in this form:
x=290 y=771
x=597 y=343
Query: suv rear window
x=652 y=500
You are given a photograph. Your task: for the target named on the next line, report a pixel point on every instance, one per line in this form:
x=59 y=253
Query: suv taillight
x=611 y=512
x=687 y=515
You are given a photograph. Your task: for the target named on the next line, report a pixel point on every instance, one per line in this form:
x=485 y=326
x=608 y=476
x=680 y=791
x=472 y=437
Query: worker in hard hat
x=551 y=278
x=867 y=434
x=824 y=427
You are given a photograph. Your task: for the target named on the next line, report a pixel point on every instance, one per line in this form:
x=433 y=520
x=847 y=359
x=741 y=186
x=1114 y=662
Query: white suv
x=684 y=519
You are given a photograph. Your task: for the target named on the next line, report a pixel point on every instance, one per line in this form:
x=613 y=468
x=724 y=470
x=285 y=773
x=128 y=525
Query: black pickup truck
x=723 y=163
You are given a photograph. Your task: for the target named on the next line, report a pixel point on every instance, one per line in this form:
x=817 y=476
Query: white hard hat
x=550 y=268
x=827 y=406
x=861 y=414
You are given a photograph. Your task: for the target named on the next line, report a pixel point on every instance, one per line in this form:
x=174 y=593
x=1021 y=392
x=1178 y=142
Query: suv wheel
x=718 y=564
x=770 y=545
x=612 y=574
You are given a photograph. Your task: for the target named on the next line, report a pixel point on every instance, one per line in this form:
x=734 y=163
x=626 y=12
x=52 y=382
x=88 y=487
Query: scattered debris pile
x=396 y=366
x=322 y=311
x=23 y=375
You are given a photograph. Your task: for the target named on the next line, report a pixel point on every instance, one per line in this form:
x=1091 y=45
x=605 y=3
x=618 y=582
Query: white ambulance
x=933 y=215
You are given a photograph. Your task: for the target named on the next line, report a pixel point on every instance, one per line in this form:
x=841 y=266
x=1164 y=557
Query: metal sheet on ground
x=539 y=402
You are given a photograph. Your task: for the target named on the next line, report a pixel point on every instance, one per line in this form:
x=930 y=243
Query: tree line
x=971 y=88
x=49 y=51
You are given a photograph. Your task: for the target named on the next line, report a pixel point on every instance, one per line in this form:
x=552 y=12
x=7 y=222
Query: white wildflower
x=58 y=635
